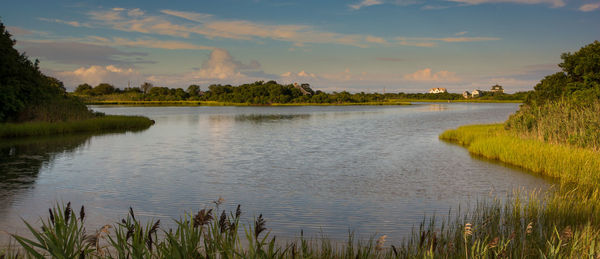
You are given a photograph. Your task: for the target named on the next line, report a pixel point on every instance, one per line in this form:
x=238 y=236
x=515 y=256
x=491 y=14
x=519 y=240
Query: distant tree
x=146 y=87
x=193 y=90
x=103 y=89
x=83 y=89
x=180 y=94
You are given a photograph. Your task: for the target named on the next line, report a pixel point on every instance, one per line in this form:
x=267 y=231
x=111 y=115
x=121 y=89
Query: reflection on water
x=21 y=159
x=372 y=169
x=261 y=118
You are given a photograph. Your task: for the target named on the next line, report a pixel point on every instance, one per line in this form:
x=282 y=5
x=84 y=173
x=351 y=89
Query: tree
x=83 y=89
x=193 y=90
x=146 y=87
x=104 y=88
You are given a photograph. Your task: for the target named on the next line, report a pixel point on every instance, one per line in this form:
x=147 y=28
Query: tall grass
x=564 y=162
x=97 y=124
x=520 y=226
x=560 y=122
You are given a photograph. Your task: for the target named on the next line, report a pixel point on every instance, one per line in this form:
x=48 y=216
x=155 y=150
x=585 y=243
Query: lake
x=320 y=169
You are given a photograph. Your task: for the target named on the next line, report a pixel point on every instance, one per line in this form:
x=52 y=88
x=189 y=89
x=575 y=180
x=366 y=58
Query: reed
x=561 y=223
x=106 y=123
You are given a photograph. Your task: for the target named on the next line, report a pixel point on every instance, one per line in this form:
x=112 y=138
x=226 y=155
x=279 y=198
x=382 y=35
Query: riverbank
x=567 y=163
x=214 y=103
x=98 y=124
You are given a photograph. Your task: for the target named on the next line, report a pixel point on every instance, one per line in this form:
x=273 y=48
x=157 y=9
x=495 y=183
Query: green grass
x=98 y=124
x=564 y=162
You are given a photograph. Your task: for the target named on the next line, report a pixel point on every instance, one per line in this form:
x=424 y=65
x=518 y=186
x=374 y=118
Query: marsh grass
x=98 y=124
x=559 y=122
x=560 y=161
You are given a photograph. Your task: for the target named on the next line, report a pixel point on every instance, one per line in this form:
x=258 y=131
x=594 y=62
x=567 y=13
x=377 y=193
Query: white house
x=466 y=94
x=437 y=90
x=476 y=93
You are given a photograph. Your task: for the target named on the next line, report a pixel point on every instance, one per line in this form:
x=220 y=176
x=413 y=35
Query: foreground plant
x=559 y=224
x=62 y=235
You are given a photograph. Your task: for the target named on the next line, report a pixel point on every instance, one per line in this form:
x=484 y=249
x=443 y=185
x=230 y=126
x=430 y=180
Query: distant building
x=302 y=88
x=497 y=89
x=437 y=90
x=466 y=94
x=476 y=93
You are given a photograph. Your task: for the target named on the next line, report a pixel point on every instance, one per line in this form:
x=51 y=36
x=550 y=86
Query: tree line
x=261 y=92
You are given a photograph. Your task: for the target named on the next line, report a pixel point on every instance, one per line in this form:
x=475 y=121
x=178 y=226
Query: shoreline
x=103 y=124
x=565 y=163
x=215 y=103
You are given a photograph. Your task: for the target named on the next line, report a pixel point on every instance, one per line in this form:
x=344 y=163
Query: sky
x=357 y=45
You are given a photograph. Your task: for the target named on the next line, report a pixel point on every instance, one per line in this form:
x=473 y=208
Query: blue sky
x=361 y=45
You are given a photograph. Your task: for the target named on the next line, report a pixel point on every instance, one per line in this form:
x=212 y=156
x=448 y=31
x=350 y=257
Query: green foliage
x=83 y=89
x=564 y=106
x=25 y=89
x=62 y=235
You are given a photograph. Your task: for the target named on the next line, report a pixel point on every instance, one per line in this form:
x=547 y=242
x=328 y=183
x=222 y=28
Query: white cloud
x=432 y=42
x=221 y=65
x=135 y=12
x=192 y=16
x=71 y=23
x=589 y=7
x=374 y=39
x=365 y=3
x=426 y=75
x=94 y=75
x=553 y=3
x=461 y=33
x=157 y=44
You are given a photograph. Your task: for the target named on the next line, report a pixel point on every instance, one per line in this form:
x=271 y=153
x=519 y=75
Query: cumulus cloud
x=426 y=75
x=94 y=75
x=589 y=7
x=221 y=65
x=365 y=3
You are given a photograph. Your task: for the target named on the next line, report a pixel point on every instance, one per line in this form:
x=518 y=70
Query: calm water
x=372 y=169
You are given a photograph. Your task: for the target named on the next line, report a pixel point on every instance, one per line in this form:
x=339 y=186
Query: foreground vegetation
x=561 y=225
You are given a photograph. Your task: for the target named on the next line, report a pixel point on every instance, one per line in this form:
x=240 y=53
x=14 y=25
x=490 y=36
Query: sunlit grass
x=564 y=162
x=98 y=124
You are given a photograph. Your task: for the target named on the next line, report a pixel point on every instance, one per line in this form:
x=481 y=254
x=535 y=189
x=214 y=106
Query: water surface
x=371 y=169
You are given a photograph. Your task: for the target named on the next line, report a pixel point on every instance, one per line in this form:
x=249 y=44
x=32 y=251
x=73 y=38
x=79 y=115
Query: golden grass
x=564 y=162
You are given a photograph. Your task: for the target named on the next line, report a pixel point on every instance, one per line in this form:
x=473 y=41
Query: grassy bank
x=98 y=124
x=215 y=103
x=563 y=162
